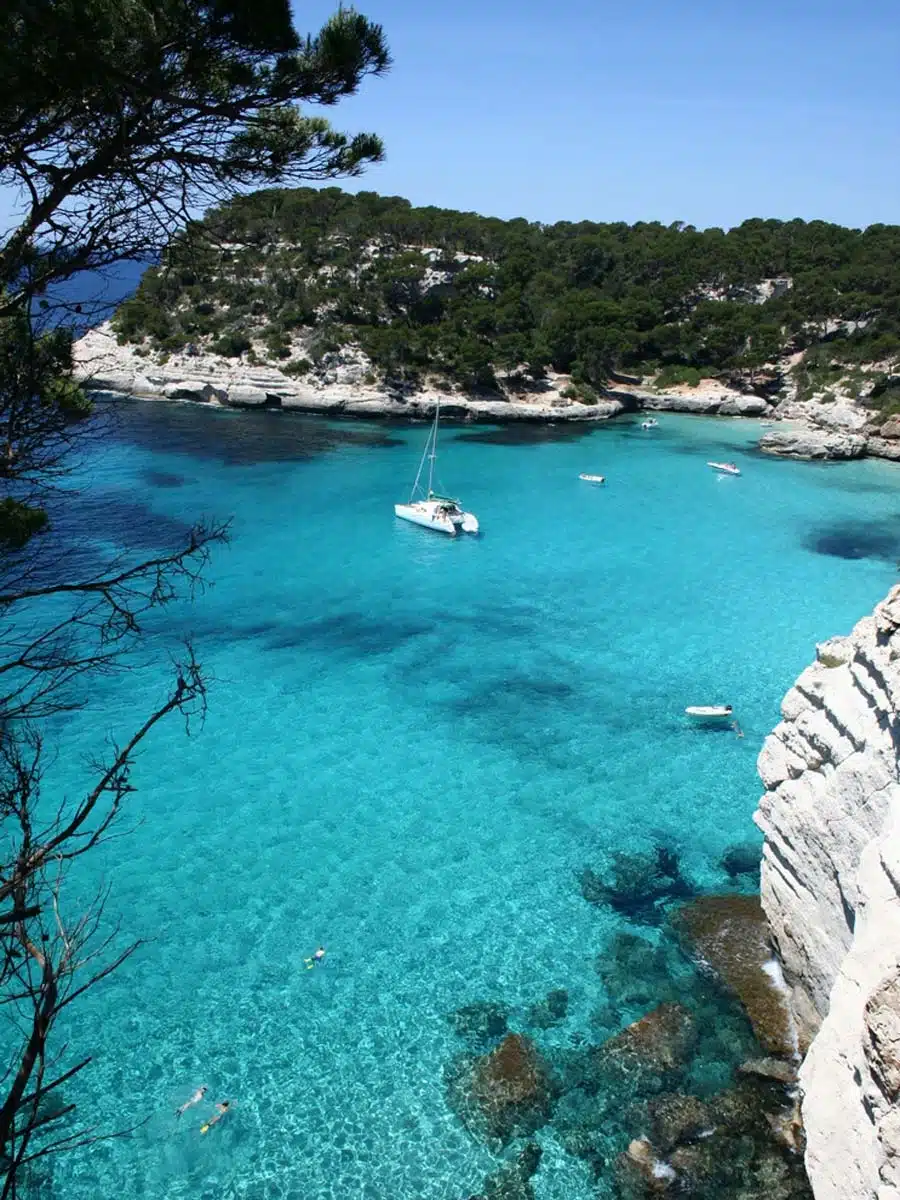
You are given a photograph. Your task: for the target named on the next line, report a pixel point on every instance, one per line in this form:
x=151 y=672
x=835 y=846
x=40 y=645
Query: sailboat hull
x=430 y=515
x=441 y=513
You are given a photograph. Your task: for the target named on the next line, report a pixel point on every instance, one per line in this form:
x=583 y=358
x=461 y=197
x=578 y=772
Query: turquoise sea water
x=414 y=745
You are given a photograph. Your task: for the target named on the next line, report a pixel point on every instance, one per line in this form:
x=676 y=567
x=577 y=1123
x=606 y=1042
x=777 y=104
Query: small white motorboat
x=710 y=712
x=593 y=478
x=650 y=423
x=432 y=511
x=725 y=468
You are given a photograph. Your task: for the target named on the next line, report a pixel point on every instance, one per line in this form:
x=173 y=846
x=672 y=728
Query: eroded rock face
x=831 y=892
x=882 y=1036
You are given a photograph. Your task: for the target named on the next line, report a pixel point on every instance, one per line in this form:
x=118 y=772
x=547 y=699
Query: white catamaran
x=425 y=507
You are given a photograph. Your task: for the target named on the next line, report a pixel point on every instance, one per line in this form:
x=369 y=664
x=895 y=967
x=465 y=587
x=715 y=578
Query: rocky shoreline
x=831 y=893
x=343 y=387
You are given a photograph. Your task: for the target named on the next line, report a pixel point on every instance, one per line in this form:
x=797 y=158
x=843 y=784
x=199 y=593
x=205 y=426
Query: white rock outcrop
x=813 y=443
x=831 y=892
x=338 y=386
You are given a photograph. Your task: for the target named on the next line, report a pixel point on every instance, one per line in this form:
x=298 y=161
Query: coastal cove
x=415 y=748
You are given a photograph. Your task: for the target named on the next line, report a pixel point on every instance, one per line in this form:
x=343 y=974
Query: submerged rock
x=645 y=1051
x=678 y=1118
x=770 y=1068
x=743 y=859
x=502 y=1094
x=513 y=1180
x=637 y=885
x=634 y=970
x=729 y=934
x=738 y=1145
x=481 y=1022
x=552 y=1010
x=640 y=1173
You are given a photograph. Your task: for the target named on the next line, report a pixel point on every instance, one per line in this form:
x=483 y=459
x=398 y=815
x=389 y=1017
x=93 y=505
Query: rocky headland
x=342 y=385
x=831 y=892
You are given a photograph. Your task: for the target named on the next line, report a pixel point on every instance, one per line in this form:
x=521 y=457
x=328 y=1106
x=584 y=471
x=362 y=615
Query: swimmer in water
x=316 y=959
x=221 y=1109
x=195 y=1099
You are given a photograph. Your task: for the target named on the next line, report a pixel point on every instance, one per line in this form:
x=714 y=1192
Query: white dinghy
x=710 y=712
x=725 y=468
x=593 y=478
x=426 y=507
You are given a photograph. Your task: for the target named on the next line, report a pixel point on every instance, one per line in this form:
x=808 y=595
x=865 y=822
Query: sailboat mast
x=433 y=455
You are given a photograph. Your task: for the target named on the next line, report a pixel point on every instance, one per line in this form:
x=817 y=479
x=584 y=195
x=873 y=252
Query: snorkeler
x=221 y=1109
x=195 y=1099
x=316 y=959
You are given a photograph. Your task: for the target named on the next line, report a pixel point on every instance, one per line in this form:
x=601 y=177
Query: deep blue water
x=413 y=747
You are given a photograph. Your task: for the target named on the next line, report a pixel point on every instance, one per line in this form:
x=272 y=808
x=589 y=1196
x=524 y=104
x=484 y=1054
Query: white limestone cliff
x=831 y=892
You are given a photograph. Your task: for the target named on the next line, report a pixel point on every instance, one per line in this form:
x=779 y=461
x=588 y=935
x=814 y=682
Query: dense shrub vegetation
x=303 y=272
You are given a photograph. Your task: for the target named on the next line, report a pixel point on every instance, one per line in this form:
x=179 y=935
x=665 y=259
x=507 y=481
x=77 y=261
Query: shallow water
x=414 y=745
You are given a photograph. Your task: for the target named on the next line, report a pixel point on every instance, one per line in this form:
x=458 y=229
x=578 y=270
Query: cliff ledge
x=831 y=892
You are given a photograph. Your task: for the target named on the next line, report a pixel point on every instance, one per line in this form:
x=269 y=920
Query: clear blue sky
x=665 y=110
x=642 y=109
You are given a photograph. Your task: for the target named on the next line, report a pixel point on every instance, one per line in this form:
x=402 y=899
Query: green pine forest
x=289 y=276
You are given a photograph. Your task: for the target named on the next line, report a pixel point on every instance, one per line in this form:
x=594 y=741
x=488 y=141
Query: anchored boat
x=426 y=507
x=593 y=478
x=710 y=712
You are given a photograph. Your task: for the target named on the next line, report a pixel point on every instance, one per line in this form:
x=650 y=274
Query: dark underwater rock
x=662 y=1040
x=481 y=1022
x=778 y=1069
x=738 y=1145
x=639 y=1173
x=642 y=1059
x=583 y=1143
x=742 y=859
x=729 y=934
x=677 y=1118
x=508 y=1092
x=552 y=1010
x=637 y=885
x=634 y=970
x=513 y=1180
x=745 y=1156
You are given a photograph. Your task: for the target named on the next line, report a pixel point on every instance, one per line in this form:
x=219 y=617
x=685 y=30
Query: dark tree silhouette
x=118 y=122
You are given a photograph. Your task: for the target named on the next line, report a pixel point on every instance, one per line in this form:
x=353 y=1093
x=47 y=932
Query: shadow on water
x=236 y=439
x=856 y=539
x=110 y=517
x=528 y=434
x=353 y=634
x=350 y=631
x=514 y=693
x=163 y=479
x=713 y=450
